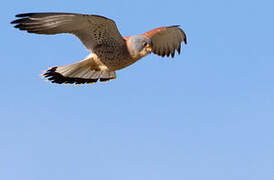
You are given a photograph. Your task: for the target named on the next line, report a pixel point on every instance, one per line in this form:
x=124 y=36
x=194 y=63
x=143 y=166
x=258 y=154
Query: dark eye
x=144 y=44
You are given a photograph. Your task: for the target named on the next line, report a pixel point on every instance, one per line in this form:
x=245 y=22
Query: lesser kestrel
x=109 y=50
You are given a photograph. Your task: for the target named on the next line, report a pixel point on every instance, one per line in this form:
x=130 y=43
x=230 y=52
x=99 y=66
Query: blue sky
x=206 y=114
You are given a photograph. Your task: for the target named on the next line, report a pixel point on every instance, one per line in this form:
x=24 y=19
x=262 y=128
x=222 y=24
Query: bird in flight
x=110 y=51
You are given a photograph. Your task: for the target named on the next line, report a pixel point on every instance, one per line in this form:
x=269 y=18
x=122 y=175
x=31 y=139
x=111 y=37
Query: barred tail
x=77 y=73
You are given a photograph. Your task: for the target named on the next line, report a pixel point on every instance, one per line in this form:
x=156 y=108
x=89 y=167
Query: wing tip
x=24 y=15
x=184 y=34
x=182 y=31
x=185 y=40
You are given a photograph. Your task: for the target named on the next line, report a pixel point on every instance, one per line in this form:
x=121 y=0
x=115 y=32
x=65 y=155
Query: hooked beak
x=149 y=48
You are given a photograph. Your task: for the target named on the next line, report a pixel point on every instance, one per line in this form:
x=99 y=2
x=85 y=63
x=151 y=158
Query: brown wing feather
x=92 y=30
x=166 y=40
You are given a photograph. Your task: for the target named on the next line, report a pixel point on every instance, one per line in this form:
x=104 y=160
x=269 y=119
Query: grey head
x=139 y=46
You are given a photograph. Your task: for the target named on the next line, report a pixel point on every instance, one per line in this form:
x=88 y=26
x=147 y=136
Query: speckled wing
x=92 y=30
x=166 y=40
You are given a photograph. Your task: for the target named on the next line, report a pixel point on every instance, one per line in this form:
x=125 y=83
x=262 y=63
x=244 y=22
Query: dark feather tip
x=24 y=14
x=179 y=49
x=185 y=40
x=173 y=54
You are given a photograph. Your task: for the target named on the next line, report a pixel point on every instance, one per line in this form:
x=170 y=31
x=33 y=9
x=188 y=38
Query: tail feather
x=105 y=75
x=78 y=73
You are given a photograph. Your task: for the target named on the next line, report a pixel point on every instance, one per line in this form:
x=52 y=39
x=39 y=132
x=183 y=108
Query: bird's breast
x=115 y=58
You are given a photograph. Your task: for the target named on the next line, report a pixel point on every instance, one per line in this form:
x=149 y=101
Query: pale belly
x=117 y=64
x=112 y=64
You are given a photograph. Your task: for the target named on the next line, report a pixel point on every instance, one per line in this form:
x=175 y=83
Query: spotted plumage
x=109 y=50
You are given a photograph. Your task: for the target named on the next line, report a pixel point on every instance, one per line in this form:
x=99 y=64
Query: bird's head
x=139 y=46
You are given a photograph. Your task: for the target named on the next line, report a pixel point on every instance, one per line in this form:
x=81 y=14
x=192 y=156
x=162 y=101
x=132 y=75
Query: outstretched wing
x=92 y=30
x=166 y=40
